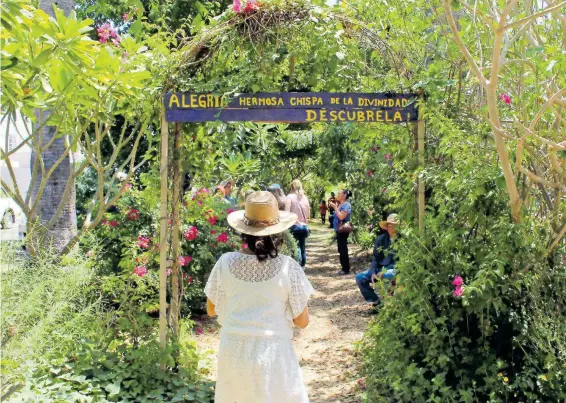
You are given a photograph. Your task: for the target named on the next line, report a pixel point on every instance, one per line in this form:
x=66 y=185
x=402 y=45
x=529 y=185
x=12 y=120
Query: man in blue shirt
x=227 y=185
x=383 y=262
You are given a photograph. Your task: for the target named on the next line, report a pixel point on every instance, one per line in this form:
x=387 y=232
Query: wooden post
x=176 y=279
x=421 y=157
x=163 y=234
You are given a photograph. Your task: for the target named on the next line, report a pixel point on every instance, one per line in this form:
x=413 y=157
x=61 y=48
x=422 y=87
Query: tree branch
x=534 y=16
x=554 y=244
x=461 y=45
x=538 y=179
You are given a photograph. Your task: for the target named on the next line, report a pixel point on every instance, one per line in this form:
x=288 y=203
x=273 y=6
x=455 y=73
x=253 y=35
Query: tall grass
x=47 y=307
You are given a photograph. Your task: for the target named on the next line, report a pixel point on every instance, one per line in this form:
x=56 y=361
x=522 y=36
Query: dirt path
x=338 y=319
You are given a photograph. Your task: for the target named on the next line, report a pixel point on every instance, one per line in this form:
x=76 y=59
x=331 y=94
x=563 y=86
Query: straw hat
x=261 y=216
x=391 y=219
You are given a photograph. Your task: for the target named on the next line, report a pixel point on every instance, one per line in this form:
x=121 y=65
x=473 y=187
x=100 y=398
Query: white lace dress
x=256 y=303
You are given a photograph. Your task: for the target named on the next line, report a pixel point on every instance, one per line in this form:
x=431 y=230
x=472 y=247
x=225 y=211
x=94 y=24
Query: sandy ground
x=326 y=348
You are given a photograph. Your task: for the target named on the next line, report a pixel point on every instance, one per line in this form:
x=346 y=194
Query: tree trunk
x=65 y=227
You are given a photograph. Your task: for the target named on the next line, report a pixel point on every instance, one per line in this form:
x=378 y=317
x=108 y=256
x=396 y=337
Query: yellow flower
x=543 y=377
x=500 y=374
x=506 y=380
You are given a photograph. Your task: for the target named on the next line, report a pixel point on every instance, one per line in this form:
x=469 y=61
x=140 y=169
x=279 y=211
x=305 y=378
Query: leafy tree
x=523 y=92
x=72 y=88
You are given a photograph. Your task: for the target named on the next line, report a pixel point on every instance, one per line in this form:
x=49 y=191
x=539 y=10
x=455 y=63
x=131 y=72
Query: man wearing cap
x=383 y=262
x=227 y=188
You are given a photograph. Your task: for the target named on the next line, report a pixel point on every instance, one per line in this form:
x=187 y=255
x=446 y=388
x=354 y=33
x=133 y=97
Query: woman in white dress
x=258 y=296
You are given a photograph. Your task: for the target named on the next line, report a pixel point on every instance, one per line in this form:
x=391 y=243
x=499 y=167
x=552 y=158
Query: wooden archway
x=388 y=108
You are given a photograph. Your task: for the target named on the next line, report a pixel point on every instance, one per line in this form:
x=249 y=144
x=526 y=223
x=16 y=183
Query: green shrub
x=505 y=338
x=125 y=374
x=70 y=334
x=46 y=307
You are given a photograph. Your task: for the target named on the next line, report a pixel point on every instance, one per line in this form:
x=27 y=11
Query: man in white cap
x=383 y=262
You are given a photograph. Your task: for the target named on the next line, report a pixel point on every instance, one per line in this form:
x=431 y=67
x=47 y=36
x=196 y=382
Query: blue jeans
x=363 y=280
x=301 y=236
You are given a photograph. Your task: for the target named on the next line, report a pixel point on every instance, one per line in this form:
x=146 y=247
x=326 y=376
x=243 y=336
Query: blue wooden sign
x=292 y=107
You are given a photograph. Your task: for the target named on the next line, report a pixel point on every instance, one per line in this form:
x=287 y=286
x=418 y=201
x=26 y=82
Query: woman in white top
x=259 y=295
x=298 y=203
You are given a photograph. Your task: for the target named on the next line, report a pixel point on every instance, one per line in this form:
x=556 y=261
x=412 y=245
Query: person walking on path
x=298 y=204
x=323 y=209
x=258 y=295
x=342 y=215
x=331 y=200
x=289 y=246
x=275 y=190
x=383 y=262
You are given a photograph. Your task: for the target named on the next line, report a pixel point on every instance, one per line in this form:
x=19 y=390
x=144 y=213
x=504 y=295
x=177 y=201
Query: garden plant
x=478 y=310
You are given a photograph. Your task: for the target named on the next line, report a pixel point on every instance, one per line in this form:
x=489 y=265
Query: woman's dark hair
x=264 y=246
x=347 y=193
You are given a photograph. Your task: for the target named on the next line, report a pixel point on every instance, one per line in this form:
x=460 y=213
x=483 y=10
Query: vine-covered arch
x=220 y=75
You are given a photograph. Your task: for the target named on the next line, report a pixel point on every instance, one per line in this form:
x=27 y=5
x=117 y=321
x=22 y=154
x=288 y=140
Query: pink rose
x=184 y=260
x=169 y=271
x=125 y=17
x=143 y=242
x=89 y=253
x=458 y=281
x=213 y=232
x=505 y=98
x=113 y=223
x=251 y=5
x=212 y=220
x=388 y=157
x=191 y=234
x=222 y=238
x=230 y=211
x=244 y=246
x=370 y=172
x=458 y=291
x=140 y=271
x=133 y=214
x=199 y=330
x=237 y=6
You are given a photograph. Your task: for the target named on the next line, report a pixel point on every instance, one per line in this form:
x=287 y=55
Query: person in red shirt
x=323 y=209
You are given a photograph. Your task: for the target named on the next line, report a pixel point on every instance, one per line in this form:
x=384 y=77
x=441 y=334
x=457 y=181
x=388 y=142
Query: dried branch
x=538 y=179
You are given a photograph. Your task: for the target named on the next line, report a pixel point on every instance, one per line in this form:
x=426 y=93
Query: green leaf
x=113 y=388
x=135 y=28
